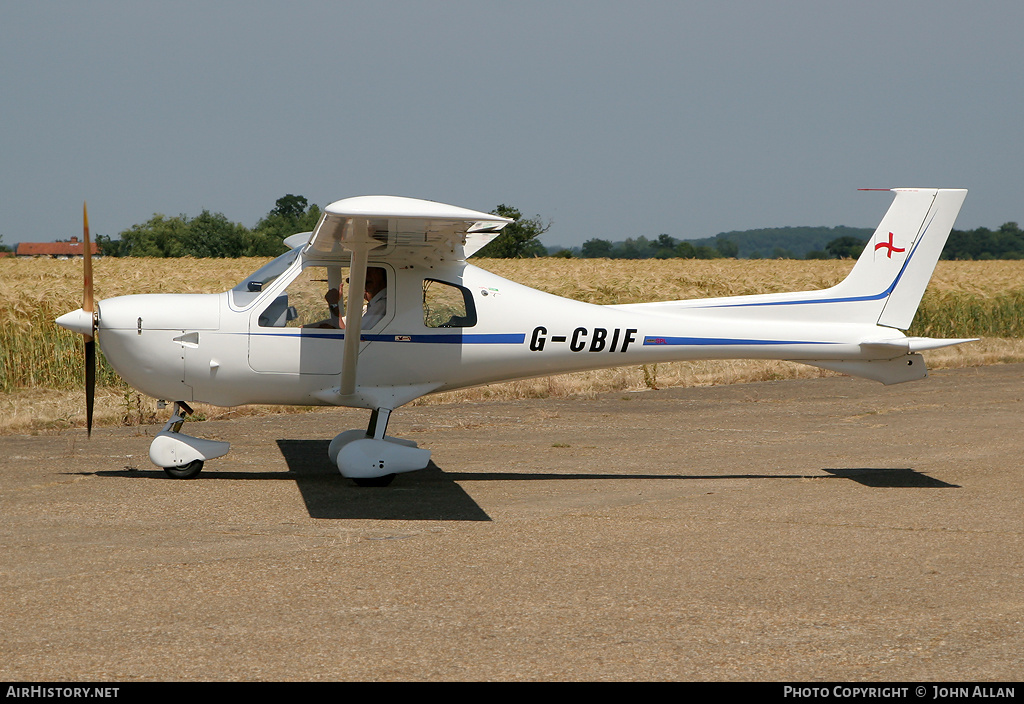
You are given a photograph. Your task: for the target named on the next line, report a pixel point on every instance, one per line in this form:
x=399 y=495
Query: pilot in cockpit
x=375 y=295
x=335 y=321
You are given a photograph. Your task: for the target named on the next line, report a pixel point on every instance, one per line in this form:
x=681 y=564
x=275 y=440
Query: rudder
x=899 y=259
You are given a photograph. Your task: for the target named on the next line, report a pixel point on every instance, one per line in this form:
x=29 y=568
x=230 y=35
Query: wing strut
x=359 y=241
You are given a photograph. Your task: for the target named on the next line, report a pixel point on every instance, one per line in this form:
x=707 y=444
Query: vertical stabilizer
x=900 y=257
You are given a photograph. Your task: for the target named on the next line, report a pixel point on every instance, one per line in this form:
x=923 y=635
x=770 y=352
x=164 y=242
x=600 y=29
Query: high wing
x=396 y=227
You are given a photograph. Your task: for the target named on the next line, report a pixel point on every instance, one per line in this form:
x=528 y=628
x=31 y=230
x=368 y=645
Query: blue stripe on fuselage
x=457 y=338
x=706 y=341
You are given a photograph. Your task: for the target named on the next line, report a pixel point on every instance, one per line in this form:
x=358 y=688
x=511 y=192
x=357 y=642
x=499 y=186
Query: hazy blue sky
x=613 y=119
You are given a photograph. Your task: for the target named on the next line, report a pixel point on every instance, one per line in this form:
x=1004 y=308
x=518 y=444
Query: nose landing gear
x=181 y=456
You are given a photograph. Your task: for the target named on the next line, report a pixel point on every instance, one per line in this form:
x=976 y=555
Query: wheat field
x=41 y=373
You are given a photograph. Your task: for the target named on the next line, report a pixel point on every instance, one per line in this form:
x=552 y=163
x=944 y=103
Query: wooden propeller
x=90 y=339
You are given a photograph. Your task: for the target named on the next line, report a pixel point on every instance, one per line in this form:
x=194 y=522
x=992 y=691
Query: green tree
x=290 y=206
x=109 y=247
x=520 y=238
x=596 y=249
x=686 y=250
x=213 y=235
x=3 y=247
x=846 y=247
x=160 y=236
x=634 y=248
x=702 y=251
x=727 y=248
x=206 y=235
x=665 y=247
x=291 y=214
x=982 y=243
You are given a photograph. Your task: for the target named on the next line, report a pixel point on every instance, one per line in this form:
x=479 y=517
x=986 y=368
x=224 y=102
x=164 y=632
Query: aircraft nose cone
x=76 y=321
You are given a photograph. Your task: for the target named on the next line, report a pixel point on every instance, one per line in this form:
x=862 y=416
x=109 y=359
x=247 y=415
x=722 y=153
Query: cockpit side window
x=314 y=299
x=446 y=305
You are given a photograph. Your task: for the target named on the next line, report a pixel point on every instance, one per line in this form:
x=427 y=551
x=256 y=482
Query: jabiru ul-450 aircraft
x=289 y=334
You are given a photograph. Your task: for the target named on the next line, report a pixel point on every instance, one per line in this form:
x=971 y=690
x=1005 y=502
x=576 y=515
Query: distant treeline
x=768 y=243
x=1005 y=243
x=213 y=235
x=795 y=243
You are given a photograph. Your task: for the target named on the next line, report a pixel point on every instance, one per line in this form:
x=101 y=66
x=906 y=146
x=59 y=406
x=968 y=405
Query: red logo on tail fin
x=889 y=247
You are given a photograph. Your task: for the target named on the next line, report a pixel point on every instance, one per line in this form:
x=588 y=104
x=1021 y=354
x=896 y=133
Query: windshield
x=247 y=290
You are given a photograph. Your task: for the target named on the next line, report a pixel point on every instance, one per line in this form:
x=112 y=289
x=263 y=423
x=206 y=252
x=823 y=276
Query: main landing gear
x=372 y=458
x=180 y=455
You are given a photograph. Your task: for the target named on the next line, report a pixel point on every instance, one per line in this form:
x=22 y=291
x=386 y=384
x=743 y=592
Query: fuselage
x=236 y=348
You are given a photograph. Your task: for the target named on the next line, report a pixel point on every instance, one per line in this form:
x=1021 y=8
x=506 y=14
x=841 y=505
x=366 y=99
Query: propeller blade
x=87 y=302
x=90 y=339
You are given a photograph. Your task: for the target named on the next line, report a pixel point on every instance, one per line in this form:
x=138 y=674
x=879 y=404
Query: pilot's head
x=376 y=281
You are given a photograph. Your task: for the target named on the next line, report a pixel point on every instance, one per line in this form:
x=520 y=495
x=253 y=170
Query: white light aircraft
x=437 y=323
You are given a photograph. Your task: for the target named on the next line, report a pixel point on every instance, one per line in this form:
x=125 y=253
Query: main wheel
x=374 y=481
x=187 y=471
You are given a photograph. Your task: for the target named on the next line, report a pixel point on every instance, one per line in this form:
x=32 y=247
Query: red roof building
x=57 y=250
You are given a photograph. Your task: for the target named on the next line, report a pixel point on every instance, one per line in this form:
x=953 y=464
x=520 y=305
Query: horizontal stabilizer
x=297 y=240
x=905 y=345
x=920 y=344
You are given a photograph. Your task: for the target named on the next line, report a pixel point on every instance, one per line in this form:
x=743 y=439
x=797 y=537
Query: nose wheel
x=181 y=456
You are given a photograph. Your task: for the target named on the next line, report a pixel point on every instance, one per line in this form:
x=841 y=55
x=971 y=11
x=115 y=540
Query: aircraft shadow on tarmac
x=891 y=478
x=426 y=495
x=433 y=494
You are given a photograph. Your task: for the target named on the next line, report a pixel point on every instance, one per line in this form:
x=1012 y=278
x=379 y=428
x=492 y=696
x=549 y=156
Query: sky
x=609 y=119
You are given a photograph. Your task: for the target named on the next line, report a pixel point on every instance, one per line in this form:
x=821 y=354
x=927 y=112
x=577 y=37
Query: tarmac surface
x=823 y=530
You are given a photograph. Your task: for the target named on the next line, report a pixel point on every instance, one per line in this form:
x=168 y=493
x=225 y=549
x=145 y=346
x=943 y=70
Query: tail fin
x=898 y=261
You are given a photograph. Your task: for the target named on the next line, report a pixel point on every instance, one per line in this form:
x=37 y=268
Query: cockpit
x=316 y=297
